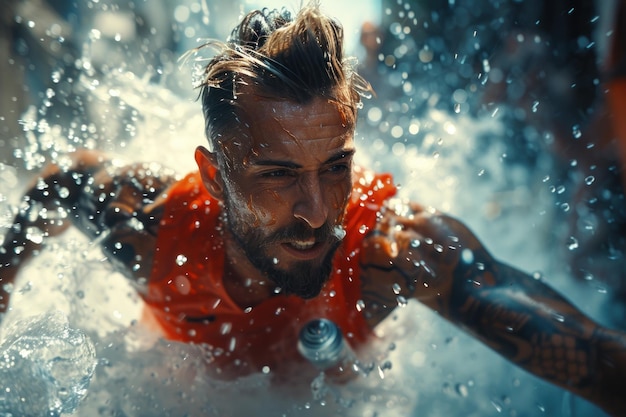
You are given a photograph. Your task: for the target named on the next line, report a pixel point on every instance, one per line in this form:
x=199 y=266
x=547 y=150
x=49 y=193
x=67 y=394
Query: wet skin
x=290 y=166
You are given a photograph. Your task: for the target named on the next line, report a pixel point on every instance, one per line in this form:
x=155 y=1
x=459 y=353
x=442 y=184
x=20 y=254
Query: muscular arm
x=119 y=206
x=438 y=261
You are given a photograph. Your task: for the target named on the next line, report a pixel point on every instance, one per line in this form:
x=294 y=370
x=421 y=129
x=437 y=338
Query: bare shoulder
x=412 y=253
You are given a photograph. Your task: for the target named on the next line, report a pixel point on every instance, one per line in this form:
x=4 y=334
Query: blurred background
x=509 y=114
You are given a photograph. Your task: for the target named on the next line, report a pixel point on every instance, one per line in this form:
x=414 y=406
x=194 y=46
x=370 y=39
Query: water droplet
x=462 y=390
x=339 y=232
x=56 y=77
x=41 y=184
x=588 y=276
x=385 y=366
x=573 y=243
x=94 y=34
x=402 y=302
x=275 y=261
x=486 y=65
x=35 y=235
x=64 y=192
x=576 y=132
x=8 y=288
x=535 y=106
x=467 y=256
x=396 y=288
x=497 y=405
x=360 y=305
x=590 y=179
x=415 y=243
x=226 y=328
x=181 y=260
x=558 y=317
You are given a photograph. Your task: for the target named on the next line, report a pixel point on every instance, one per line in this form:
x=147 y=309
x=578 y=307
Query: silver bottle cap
x=321 y=342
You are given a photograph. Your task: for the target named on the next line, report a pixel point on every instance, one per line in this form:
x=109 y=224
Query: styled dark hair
x=271 y=54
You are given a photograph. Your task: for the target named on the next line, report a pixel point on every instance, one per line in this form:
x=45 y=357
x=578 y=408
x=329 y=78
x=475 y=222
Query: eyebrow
x=289 y=164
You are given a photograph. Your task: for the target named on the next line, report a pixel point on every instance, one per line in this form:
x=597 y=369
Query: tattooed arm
x=434 y=258
x=118 y=205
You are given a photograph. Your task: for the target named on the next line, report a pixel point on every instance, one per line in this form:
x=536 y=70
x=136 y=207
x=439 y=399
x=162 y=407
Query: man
x=278 y=226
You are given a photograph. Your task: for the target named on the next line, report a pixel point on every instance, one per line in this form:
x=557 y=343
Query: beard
x=304 y=279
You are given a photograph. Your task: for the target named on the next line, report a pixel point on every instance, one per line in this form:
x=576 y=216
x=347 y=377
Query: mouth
x=303 y=249
x=301 y=244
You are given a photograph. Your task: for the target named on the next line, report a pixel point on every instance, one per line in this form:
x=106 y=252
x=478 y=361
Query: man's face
x=286 y=188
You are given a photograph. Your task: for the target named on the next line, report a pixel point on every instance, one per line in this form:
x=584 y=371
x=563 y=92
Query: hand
x=416 y=253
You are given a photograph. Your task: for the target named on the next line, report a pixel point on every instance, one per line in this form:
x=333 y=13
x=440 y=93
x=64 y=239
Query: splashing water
x=443 y=157
x=46 y=366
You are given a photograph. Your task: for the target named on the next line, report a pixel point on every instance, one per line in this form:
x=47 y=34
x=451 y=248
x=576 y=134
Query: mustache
x=301 y=231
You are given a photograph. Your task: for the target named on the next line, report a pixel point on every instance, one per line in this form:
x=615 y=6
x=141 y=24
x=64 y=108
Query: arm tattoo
x=536 y=328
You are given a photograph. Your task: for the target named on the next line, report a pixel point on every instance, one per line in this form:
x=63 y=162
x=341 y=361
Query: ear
x=211 y=176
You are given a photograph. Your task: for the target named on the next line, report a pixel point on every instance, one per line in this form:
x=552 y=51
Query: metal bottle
x=322 y=344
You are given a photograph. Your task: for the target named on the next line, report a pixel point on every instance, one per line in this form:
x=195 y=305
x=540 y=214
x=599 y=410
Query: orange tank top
x=187 y=298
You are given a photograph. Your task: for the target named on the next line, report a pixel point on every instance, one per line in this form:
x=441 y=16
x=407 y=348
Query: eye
x=277 y=173
x=338 y=168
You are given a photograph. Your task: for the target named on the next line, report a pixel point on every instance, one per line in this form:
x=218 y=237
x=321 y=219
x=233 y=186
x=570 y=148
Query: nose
x=310 y=205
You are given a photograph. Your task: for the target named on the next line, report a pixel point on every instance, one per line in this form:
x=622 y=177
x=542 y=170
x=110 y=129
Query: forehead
x=278 y=127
